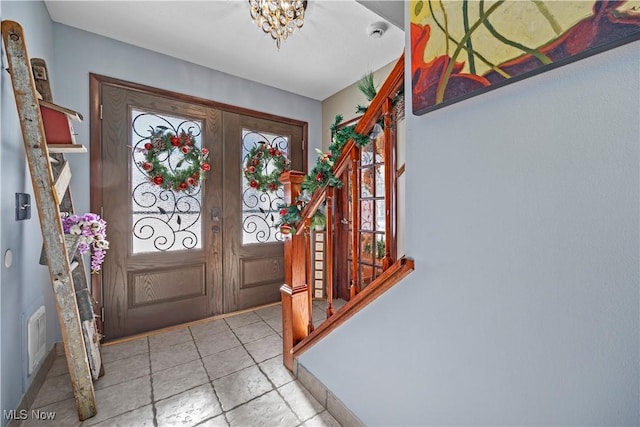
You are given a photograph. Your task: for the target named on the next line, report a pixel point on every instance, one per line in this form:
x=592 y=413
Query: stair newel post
x=307 y=263
x=294 y=291
x=355 y=222
x=389 y=185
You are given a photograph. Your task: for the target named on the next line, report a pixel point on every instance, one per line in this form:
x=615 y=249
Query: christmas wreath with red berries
x=188 y=171
x=263 y=167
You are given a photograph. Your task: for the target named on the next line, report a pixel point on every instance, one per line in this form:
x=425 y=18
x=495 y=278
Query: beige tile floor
x=225 y=372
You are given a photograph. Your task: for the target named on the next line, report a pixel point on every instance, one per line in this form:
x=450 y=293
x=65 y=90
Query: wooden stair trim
x=394 y=274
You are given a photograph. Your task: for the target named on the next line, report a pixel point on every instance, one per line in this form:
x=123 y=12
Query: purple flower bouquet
x=92 y=231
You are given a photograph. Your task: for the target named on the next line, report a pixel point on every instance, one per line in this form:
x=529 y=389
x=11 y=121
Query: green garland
x=322 y=174
x=290 y=216
x=258 y=158
x=161 y=146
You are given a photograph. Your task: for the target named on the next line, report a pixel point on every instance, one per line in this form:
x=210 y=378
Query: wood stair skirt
x=394 y=274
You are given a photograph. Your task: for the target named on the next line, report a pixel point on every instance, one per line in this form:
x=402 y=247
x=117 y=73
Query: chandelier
x=278 y=18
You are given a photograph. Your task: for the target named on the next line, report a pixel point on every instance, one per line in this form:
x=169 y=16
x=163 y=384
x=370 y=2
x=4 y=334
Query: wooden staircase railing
x=384 y=282
x=296 y=292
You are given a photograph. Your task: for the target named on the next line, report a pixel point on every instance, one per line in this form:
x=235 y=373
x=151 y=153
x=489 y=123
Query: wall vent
x=36 y=338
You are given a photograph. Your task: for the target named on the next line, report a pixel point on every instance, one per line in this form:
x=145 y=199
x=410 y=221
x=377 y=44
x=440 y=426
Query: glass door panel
x=163 y=219
x=371 y=209
x=260 y=208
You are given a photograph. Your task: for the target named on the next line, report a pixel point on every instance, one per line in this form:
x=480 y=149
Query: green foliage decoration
x=290 y=215
x=368 y=89
x=258 y=160
x=322 y=175
x=188 y=172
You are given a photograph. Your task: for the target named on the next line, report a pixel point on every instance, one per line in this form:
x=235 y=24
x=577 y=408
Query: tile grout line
x=267 y=377
x=276 y=389
x=259 y=369
x=84 y=423
x=242 y=344
x=127 y=379
x=215 y=393
x=223 y=412
x=153 y=402
x=272 y=328
x=293 y=380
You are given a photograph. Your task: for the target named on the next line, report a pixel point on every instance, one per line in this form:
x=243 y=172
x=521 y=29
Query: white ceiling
x=331 y=51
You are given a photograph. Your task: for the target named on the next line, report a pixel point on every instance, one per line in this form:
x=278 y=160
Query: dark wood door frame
x=96 y=184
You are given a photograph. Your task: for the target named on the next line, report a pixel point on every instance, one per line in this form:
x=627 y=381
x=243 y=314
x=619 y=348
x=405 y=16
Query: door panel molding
x=260 y=271
x=157 y=285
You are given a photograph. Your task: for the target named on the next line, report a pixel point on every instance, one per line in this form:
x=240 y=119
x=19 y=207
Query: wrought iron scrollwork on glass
x=260 y=209
x=163 y=220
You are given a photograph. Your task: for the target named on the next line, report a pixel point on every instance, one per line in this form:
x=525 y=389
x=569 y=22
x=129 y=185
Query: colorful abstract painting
x=462 y=48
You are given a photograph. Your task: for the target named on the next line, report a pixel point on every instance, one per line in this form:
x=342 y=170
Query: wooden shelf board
x=66 y=148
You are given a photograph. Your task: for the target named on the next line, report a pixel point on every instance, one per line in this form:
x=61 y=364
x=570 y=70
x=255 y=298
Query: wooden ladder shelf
x=50 y=176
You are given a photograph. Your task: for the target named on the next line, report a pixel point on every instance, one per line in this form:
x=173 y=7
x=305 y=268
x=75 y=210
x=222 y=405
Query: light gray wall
x=25 y=285
x=1 y=215
x=523 y=220
x=78 y=53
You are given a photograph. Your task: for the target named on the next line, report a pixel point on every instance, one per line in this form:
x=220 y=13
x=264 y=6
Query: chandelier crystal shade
x=278 y=18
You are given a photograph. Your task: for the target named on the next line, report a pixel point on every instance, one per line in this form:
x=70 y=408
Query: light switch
x=23 y=206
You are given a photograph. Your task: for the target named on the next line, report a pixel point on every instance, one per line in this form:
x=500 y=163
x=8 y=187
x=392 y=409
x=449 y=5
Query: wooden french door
x=164 y=263
x=254 y=257
x=371 y=207
x=178 y=256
